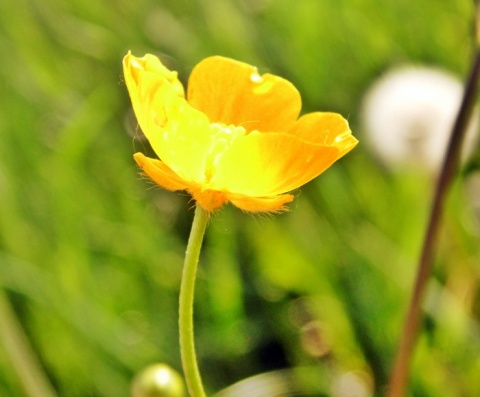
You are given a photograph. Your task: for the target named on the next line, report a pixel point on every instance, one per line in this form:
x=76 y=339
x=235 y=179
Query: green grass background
x=91 y=254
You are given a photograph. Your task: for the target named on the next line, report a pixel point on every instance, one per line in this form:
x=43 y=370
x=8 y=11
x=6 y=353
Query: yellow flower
x=236 y=136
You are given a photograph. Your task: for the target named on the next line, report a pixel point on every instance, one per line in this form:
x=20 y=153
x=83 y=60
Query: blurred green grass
x=90 y=254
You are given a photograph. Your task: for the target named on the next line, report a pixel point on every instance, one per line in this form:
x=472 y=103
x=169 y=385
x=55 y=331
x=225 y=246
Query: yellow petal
x=232 y=92
x=261 y=204
x=179 y=134
x=260 y=165
x=146 y=75
x=326 y=129
x=160 y=173
x=134 y=67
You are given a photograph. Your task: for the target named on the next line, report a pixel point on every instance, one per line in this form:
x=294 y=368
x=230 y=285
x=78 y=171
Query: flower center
x=223 y=136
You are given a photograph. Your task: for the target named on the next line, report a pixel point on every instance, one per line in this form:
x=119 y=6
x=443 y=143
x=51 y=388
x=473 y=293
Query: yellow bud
x=158 y=380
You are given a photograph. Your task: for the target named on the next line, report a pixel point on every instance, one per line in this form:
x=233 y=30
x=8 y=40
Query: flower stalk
x=400 y=374
x=187 y=292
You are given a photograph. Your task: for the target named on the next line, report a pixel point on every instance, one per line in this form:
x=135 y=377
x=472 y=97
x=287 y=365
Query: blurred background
x=306 y=303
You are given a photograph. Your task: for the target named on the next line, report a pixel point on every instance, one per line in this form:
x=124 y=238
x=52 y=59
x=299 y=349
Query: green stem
x=187 y=292
x=401 y=368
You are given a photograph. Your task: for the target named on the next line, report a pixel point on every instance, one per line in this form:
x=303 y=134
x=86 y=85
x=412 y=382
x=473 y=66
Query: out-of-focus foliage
x=91 y=255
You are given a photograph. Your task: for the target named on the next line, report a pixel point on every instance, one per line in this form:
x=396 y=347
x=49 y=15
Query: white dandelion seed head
x=408 y=115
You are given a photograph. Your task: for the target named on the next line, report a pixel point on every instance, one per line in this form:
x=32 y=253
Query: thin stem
x=29 y=370
x=401 y=368
x=187 y=292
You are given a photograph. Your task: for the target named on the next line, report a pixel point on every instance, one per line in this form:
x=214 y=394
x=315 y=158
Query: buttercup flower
x=235 y=137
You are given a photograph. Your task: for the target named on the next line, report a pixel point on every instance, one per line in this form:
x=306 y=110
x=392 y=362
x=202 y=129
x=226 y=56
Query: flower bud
x=158 y=380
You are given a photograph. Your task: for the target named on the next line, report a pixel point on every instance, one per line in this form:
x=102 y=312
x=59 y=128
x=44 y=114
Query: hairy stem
x=187 y=292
